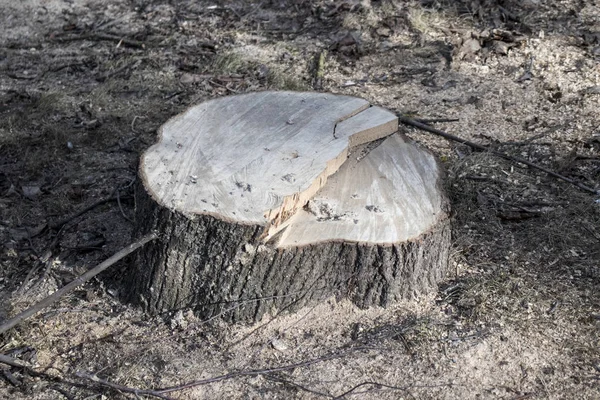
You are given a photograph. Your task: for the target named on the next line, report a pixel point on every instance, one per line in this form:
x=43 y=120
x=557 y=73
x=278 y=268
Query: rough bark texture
x=220 y=269
x=270 y=201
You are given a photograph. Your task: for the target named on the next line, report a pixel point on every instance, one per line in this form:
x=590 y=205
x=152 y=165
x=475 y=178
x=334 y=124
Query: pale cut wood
x=379 y=198
x=275 y=200
x=258 y=157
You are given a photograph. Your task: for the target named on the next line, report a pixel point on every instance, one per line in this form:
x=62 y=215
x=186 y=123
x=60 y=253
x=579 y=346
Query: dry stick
x=121 y=208
x=354 y=388
x=60 y=223
x=104 y=36
x=121 y=388
x=416 y=124
x=160 y=393
x=257 y=372
x=20 y=364
x=436 y=120
x=4 y=359
x=296 y=385
x=76 y=282
x=383 y=385
x=12 y=361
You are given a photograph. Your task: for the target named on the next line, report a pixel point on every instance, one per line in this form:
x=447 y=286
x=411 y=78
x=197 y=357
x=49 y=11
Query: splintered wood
x=255 y=194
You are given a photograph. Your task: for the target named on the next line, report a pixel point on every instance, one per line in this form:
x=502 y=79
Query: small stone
x=384 y=31
x=279 y=345
x=471 y=46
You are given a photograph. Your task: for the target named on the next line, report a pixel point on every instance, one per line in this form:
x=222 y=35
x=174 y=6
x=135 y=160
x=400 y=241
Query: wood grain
x=256 y=158
x=387 y=196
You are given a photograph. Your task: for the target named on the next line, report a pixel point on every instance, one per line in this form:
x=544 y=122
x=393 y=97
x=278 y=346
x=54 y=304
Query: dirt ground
x=85 y=84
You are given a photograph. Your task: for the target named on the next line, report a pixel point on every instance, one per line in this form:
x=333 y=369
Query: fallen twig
x=121 y=208
x=436 y=120
x=121 y=388
x=269 y=373
x=4 y=359
x=354 y=388
x=257 y=372
x=58 y=224
x=161 y=393
x=104 y=36
x=383 y=385
x=416 y=124
x=298 y=386
x=13 y=362
x=76 y=282
x=133 y=124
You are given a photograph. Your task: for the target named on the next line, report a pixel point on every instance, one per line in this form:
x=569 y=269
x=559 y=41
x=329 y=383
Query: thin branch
x=13 y=362
x=436 y=120
x=76 y=282
x=69 y=218
x=416 y=124
x=296 y=385
x=20 y=364
x=121 y=208
x=354 y=388
x=383 y=385
x=160 y=393
x=133 y=123
x=4 y=359
x=104 y=36
x=121 y=388
x=257 y=372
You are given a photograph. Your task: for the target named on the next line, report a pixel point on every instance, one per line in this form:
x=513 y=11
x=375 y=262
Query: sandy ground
x=84 y=85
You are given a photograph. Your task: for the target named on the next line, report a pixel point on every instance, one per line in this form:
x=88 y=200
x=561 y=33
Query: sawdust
x=519 y=317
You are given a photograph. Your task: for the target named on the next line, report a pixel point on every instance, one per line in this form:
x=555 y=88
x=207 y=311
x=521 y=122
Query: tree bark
x=376 y=230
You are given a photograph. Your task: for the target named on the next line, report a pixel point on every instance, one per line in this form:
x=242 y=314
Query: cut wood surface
x=380 y=198
x=255 y=158
x=272 y=200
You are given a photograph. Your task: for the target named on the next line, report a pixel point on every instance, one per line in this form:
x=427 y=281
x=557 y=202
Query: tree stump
x=274 y=200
